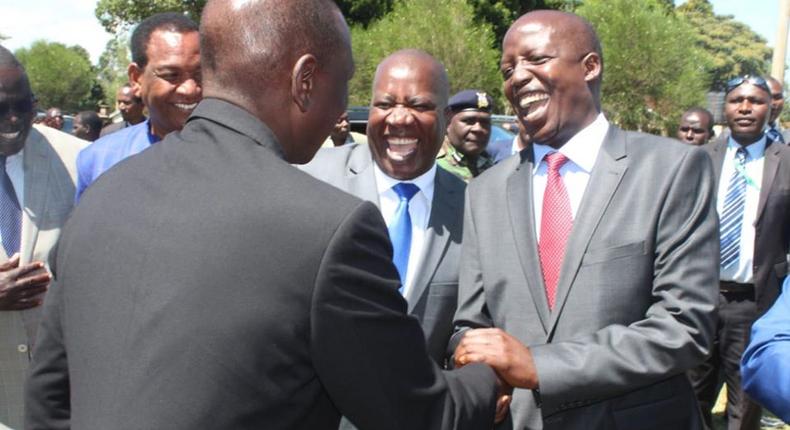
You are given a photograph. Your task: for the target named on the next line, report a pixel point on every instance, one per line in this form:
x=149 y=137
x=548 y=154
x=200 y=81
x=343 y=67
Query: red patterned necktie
x=555 y=225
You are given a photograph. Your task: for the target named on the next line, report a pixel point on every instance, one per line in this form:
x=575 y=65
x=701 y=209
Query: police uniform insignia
x=482 y=101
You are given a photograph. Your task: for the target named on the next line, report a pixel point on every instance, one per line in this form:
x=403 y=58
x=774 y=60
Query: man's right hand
x=20 y=286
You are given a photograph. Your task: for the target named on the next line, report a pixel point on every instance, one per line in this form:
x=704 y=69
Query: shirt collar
x=755 y=150
x=582 y=149
x=424 y=182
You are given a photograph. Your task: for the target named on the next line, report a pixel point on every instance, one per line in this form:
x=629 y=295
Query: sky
x=72 y=22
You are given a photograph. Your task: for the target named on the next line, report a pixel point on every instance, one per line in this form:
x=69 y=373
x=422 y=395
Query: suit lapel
x=717 y=153
x=519 y=198
x=437 y=236
x=36 y=169
x=606 y=175
x=360 y=179
x=770 y=166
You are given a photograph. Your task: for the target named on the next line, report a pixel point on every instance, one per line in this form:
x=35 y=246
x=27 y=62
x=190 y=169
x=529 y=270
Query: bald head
x=16 y=104
x=288 y=63
x=552 y=65
x=420 y=61
x=249 y=42
x=777 y=98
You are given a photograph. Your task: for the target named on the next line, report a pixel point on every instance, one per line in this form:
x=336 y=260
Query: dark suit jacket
x=772 y=226
x=635 y=303
x=205 y=283
x=435 y=293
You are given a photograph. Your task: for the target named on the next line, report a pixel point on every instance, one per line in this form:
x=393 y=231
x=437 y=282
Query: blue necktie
x=400 y=229
x=774 y=135
x=10 y=213
x=732 y=216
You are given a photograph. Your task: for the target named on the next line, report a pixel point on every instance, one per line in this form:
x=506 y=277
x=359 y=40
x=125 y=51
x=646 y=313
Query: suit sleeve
x=370 y=355
x=472 y=311
x=47 y=404
x=83 y=174
x=765 y=369
x=677 y=330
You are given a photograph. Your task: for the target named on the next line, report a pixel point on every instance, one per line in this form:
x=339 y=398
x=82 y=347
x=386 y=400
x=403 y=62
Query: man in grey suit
x=38 y=171
x=589 y=262
x=370 y=171
x=208 y=284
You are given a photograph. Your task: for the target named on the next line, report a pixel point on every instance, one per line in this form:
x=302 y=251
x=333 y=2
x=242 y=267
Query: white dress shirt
x=742 y=271
x=14 y=166
x=419 y=210
x=582 y=151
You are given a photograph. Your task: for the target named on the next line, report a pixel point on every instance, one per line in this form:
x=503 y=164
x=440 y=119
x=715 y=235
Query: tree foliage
x=118 y=15
x=651 y=72
x=113 y=63
x=501 y=13
x=734 y=48
x=446 y=29
x=60 y=75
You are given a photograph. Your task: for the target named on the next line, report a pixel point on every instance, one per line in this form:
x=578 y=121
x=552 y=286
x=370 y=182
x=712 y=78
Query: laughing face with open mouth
x=551 y=80
x=16 y=109
x=170 y=82
x=407 y=118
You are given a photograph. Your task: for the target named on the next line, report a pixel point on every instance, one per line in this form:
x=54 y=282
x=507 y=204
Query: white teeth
x=401 y=141
x=532 y=98
x=10 y=136
x=185 y=106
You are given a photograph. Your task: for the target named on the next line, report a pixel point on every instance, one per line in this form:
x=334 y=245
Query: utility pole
x=780 y=51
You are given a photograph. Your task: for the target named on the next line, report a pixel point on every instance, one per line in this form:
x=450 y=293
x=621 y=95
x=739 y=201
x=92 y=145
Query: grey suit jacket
x=49 y=169
x=772 y=225
x=635 y=304
x=435 y=293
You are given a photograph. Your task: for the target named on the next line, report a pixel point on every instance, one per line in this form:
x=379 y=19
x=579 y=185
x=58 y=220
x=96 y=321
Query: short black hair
x=703 y=112
x=167 y=21
x=90 y=119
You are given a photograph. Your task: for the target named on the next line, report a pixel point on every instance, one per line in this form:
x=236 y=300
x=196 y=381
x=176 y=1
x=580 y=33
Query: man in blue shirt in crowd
x=765 y=368
x=165 y=74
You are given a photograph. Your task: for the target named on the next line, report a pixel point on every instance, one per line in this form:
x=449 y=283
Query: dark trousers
x=737 y=312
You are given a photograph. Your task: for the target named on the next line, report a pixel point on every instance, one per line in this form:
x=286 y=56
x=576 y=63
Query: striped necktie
x=732 y=216
x=400 y=229
x=10 y=213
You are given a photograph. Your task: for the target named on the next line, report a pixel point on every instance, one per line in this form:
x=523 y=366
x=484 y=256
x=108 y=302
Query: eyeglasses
x=23 y=106
x=754 y=80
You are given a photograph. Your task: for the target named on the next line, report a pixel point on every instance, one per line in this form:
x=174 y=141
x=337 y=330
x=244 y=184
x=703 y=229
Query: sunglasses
x=19 y=107
x=754 y=80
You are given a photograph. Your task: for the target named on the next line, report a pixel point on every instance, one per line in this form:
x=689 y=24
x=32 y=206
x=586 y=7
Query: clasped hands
x=510 y=359
x=21 y=285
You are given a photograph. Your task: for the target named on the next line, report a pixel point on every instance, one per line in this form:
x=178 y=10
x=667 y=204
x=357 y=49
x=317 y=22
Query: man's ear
x=448 y=114
x=303 y=81
x=135 y=73
x=592 y=67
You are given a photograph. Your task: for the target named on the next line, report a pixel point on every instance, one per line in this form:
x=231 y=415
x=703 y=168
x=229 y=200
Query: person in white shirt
x=753 y=174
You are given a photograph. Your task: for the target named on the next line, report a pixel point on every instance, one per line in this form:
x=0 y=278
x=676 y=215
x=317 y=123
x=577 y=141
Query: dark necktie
x=555 y=225
x=732 y=215
x=10 y=213
x=400 y=229
x=774 y=135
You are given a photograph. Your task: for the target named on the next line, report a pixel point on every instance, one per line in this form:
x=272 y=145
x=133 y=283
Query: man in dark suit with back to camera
x=753 y=179
x=589 y=261
x=405 y=130
x=207 y=283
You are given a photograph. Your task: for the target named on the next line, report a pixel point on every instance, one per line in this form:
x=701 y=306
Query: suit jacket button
x=22 y=348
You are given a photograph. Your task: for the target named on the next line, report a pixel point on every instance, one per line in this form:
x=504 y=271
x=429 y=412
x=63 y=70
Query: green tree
x=651 y=72
x=734 y=48
x=501 y=13
x=60 y=75
x=112 y=66
x=447 y=29
x=118 y=15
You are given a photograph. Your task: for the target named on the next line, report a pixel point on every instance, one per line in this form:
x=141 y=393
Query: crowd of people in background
x=216 y=272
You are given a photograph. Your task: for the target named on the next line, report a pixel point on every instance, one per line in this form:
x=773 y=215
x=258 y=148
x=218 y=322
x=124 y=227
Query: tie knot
x=405 y=190
x=555 y=160
x=741 y=155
